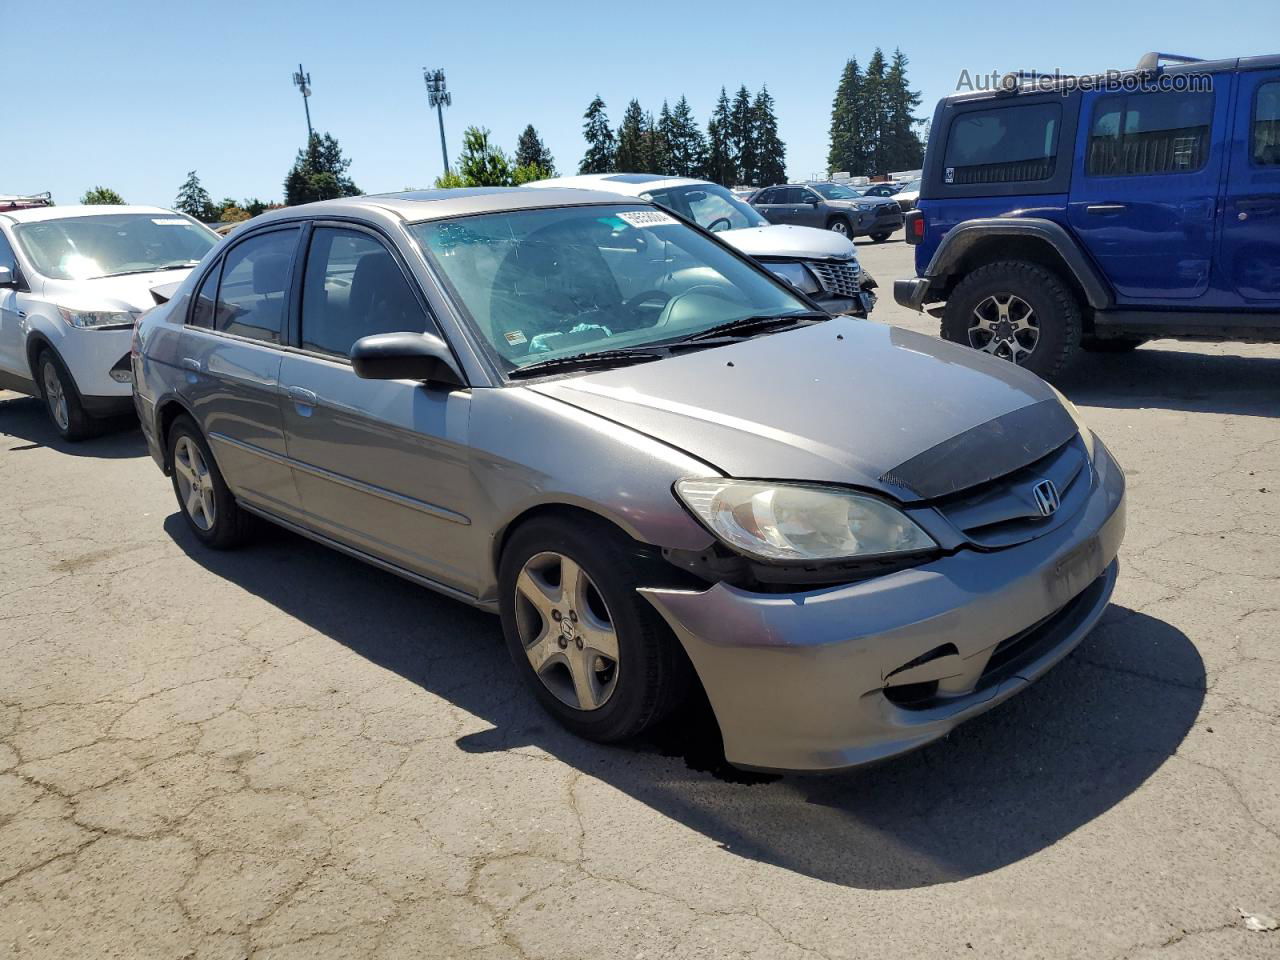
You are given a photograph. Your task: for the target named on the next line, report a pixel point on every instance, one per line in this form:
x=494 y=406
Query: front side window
x=710 y=206
x=253 y=292
x=113 y=245
x=7 y=258
x=1149 y=133
x=1266 y=125
x=202 y=309
x=354 y=288
x=540 y=284
x=1006 y=145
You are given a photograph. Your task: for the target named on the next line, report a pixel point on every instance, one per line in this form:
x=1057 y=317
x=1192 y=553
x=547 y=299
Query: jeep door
x=381 y=465
x=1144 y=189
x=1250 y=251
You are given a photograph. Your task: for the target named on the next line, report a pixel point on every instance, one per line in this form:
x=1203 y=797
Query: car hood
x=132 y=292
x=808 y=243
x=846 y=401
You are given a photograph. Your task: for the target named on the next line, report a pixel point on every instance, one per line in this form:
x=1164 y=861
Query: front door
x=1144 y=190
x=1250 y=254
x=381 y=465
x=13 y=339
x=230 y=357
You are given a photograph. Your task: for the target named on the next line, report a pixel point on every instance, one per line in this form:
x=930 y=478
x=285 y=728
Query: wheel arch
x=168 y=409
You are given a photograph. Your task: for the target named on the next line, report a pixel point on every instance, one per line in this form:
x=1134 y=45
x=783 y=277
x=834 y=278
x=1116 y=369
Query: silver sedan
x=660 y=464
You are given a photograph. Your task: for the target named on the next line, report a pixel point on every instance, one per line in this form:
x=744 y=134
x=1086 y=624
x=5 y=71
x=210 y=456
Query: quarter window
x=1008 y=145
x=353 y=288
x=1266 y=125
x=253 y=293
x=1149 y=133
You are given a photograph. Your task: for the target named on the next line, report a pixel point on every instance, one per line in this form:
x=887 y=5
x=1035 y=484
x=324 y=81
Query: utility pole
x=439 y=97
x=302 y=81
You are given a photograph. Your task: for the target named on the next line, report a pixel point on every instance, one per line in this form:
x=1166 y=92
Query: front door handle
x=1101 y=209
x=1256 y=206
x=190 y=363
x=303 y=396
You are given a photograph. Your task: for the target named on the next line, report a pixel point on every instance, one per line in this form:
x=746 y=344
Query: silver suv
x=655 y=459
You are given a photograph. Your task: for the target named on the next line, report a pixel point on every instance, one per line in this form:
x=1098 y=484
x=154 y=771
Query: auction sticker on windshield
x=170 y=221
x=645 y=218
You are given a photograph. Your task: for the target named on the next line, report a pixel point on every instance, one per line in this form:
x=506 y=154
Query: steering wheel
x=728 y=224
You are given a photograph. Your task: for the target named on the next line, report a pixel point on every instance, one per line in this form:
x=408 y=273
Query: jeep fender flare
x=963 y=237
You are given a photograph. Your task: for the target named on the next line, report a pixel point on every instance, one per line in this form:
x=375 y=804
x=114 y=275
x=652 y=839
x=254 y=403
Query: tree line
x=740 y=146
x=872 y=118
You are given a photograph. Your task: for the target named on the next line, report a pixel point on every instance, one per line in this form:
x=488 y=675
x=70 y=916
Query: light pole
x=439 y=97
x=302 y=81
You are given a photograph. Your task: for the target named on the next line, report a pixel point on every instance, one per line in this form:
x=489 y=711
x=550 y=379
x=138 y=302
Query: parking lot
x=280 y=752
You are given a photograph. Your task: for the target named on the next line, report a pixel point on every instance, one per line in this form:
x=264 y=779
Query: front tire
x=841 y=226
x=1017 y=311
x=597 y=656
x=62 y=399
x=206 y=502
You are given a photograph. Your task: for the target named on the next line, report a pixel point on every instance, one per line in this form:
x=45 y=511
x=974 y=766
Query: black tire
x=880 y=237
x=1054 y=305
x=230 y=525
x=841 y=225
x=77 y=424
x=1111 y=344
x=653 y=674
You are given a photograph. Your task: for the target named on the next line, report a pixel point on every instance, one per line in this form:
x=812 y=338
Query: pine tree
x=482 y=163
x=771 y=164
x=601 y=146
x=101 y=195
x=630 y=156
x=662 y=141
x=319 y=173
x=904 y=151
x=532 y=152
x=688 y=146
x=719 y=166
x=194 y=200
x=742 y=137
x=846 y=152
x=873 y=115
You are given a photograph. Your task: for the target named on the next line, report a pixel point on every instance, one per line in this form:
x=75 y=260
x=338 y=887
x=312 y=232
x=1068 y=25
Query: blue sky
x=135 y=93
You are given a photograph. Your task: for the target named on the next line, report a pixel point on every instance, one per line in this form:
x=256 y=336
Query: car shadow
x=1176 y=380
x=24 y=418
x=999 y=789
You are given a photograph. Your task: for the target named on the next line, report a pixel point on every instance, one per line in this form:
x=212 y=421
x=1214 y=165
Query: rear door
x=381 y=465
x=1250 y=252
x=1144 y=195
x=230 y=356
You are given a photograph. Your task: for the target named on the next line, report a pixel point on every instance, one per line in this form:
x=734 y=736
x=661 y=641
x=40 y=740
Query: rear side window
x=1266 y=125
x=768 y=196
x=1004 y=145
x=354 y=288
x=253 y=293
x=1149 y=133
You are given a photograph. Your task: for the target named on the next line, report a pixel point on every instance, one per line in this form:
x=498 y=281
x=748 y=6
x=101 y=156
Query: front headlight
x=797 y=275
x=792 y=521
x=1085 y=433
x=96 y=318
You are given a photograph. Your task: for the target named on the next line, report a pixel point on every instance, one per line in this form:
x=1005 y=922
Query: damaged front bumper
x=834 y=678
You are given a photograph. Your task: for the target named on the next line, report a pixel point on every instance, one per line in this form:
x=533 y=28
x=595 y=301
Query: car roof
x=627 y=184
x=438 y=204
x=33 y=214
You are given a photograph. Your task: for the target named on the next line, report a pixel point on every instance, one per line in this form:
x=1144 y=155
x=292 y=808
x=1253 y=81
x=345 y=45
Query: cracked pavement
x=281 y=753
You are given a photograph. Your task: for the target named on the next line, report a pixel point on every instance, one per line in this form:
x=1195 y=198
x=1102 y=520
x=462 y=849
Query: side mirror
x=7 y=278
x=405 y=356
x=812 y=201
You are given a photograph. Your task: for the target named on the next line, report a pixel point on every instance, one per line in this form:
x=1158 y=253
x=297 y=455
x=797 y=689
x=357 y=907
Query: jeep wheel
x=841 y=226
x=1017 y=311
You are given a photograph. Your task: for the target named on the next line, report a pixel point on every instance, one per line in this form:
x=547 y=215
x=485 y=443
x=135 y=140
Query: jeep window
x=1005 y=145
x=1266 y=125
x=1149 y=133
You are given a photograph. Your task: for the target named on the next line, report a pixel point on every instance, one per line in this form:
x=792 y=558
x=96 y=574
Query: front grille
x=840 y=278
x=1003 y=512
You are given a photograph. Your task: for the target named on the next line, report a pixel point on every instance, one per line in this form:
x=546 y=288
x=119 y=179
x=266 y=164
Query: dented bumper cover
x=808 y=681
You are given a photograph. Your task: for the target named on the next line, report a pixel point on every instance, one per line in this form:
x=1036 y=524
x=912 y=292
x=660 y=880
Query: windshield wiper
x=585 y=361
x=744 y=326
x=181 y=265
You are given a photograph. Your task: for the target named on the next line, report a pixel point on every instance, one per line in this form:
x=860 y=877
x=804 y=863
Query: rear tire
x=638 y=673
x=206 y=502
x=1111 y=344
x=880 y=237
x=1018 y=311
x=62 y=399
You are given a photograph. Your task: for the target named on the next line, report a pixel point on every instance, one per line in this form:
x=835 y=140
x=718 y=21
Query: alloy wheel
x=1004 y=325
x=567 y=631
x=56 y=397
x=840 y=227
x=195 y=483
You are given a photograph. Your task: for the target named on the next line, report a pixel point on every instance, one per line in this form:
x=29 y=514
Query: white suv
x=72 y=282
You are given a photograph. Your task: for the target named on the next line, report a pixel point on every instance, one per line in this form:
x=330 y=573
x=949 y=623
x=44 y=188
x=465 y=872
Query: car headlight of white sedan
x=781 y=522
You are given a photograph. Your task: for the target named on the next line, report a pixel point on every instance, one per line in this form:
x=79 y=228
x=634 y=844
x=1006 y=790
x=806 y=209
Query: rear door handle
x=1101 y=209
x=303 y=396
x=190 y=363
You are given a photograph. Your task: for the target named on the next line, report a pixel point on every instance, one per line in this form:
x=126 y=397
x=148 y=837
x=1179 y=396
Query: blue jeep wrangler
x=1060 y=213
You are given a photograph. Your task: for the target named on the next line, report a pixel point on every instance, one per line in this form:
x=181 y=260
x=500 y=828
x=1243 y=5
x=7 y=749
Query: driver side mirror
x=405 y=356
x=811 y=200
x=7 y=279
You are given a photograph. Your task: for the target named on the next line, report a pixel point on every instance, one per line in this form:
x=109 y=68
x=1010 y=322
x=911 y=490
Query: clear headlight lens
x=95 y=318
x=797 y=275
x=1085 y=433
x=784 y=521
